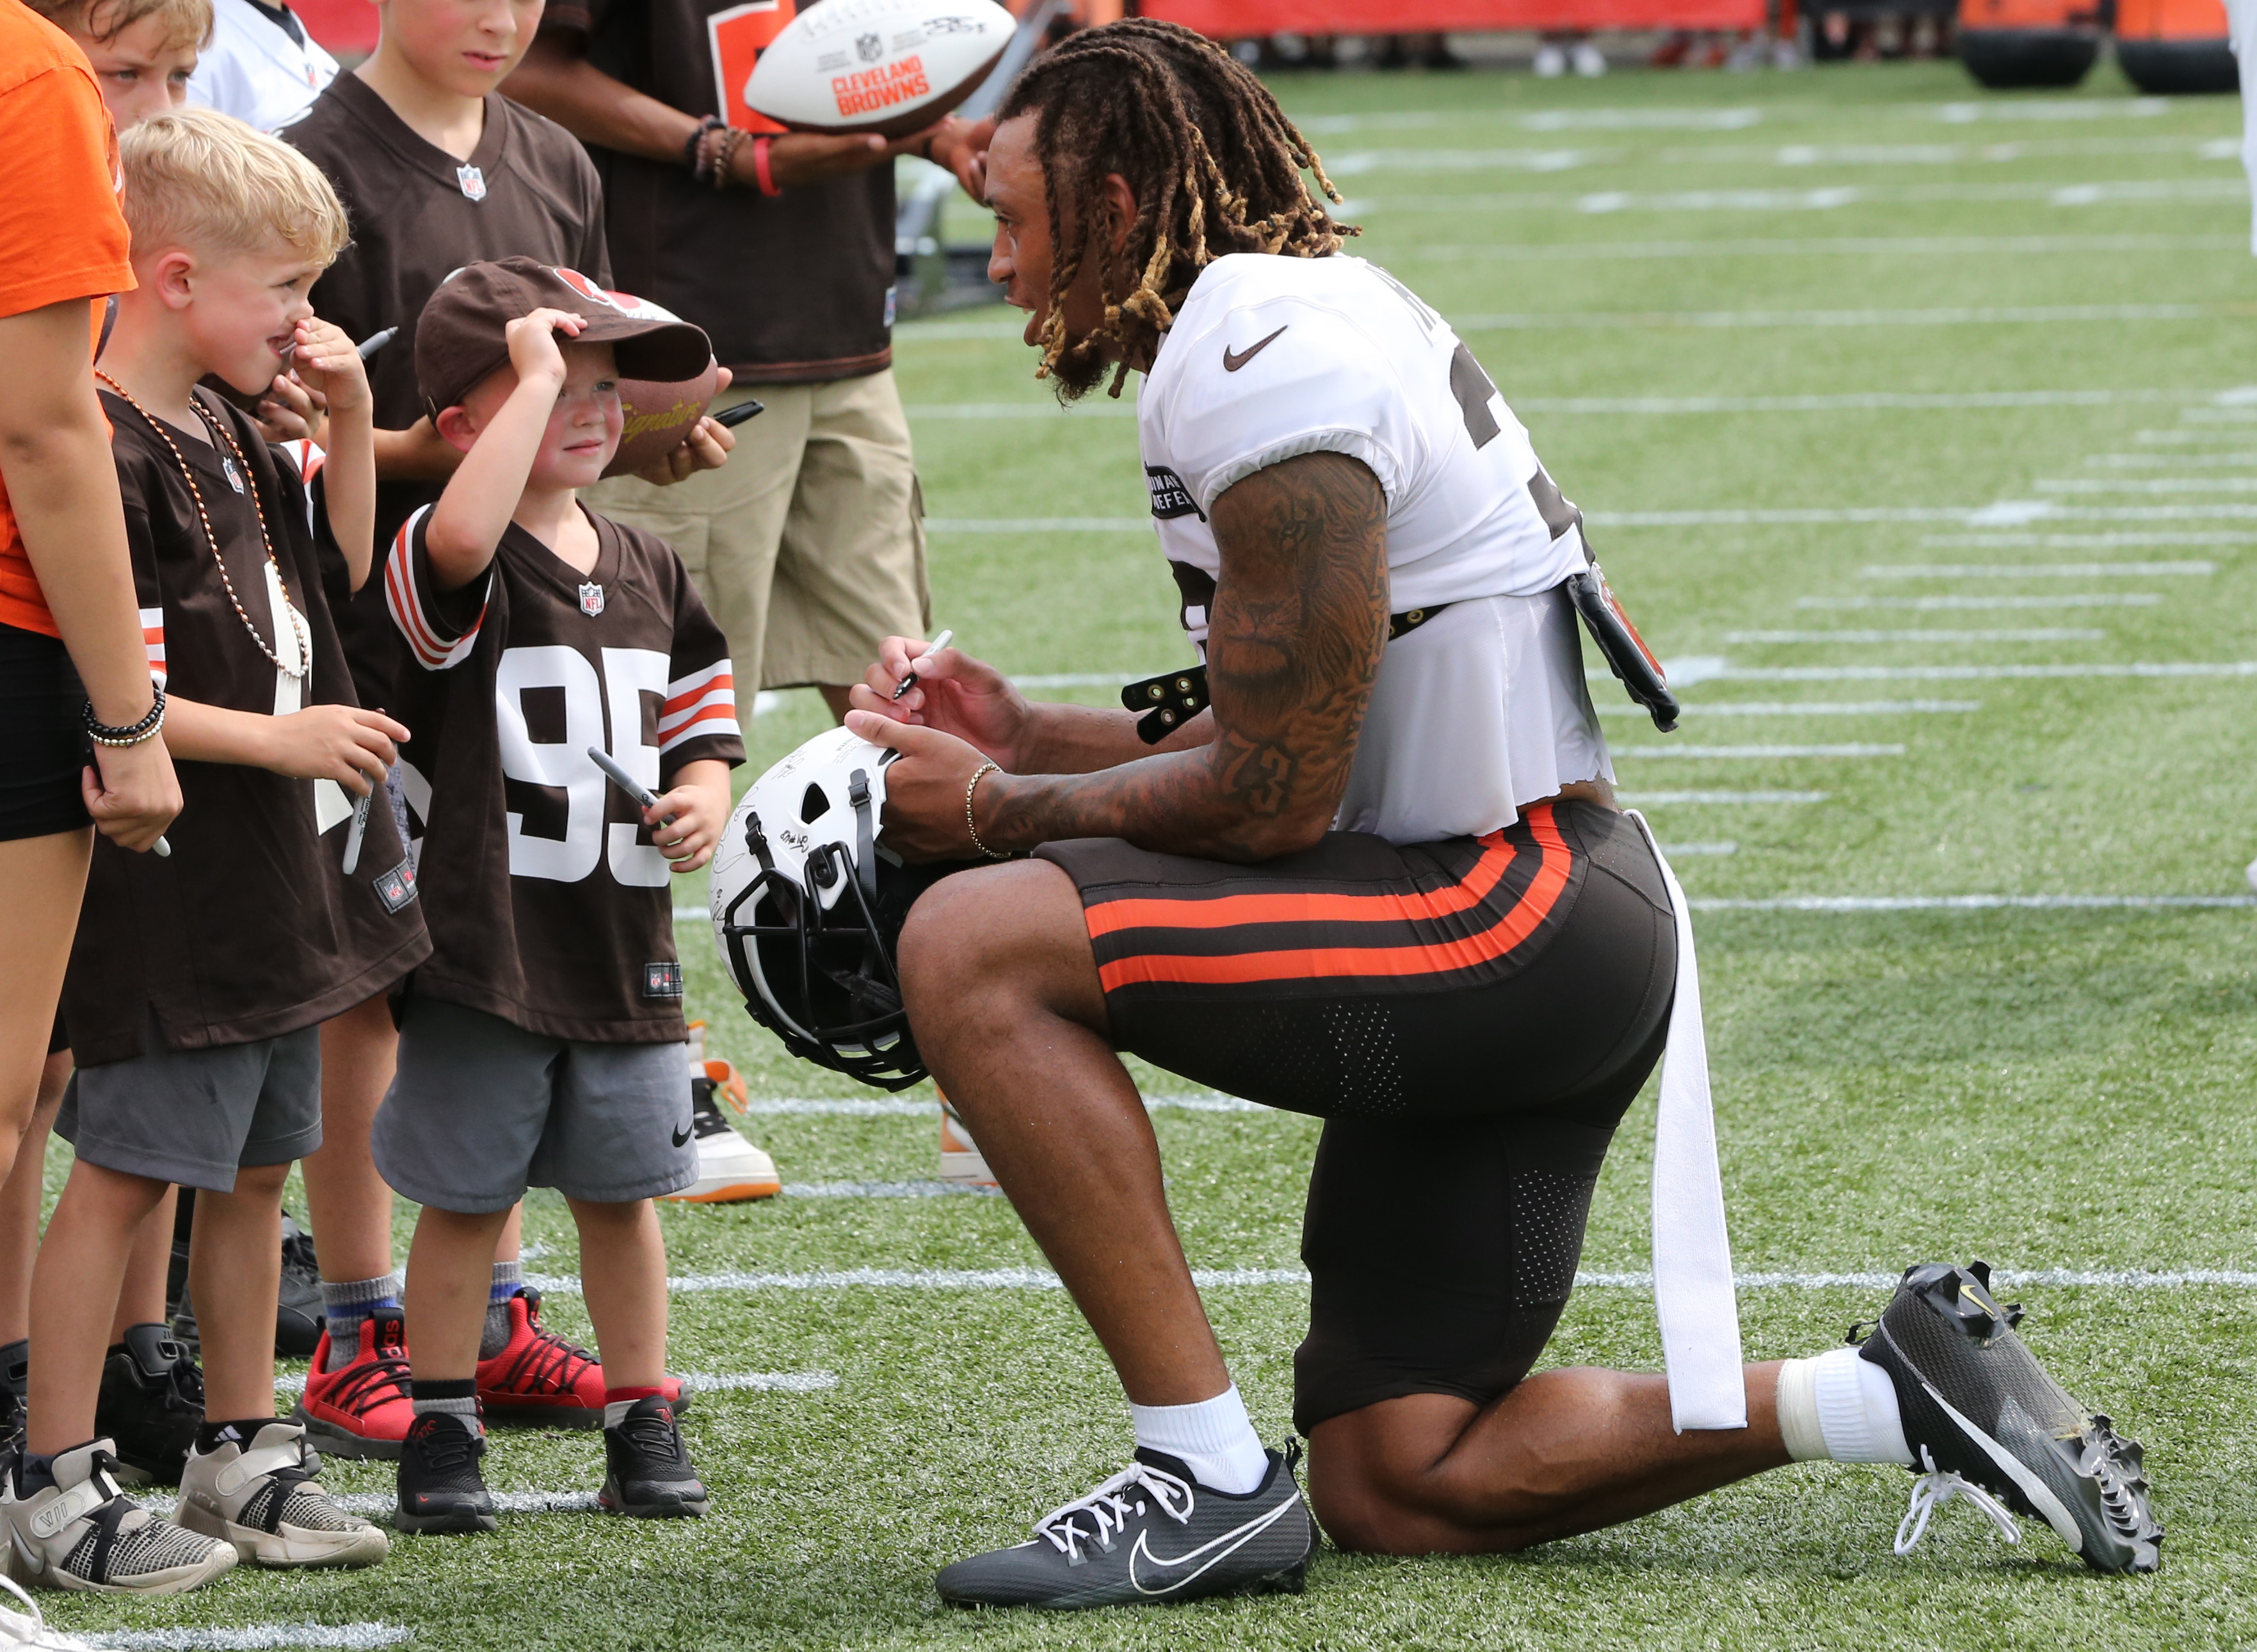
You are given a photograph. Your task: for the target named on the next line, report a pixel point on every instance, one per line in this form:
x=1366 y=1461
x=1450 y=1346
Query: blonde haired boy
x=198 y=983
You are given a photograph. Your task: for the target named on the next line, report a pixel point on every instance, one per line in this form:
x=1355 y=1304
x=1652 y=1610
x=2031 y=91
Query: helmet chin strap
x=866 y=833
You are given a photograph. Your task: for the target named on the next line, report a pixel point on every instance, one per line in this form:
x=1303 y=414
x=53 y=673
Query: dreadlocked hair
x=1214 y=164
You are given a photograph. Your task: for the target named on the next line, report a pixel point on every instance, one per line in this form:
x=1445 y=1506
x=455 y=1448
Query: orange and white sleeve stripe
x=433 y=648
x=152 y=639
x=309 y=458
x=702 y=703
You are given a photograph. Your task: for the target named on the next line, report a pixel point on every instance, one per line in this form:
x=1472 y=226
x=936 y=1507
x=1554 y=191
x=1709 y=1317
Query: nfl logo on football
x=591 y=599
x=870 y=47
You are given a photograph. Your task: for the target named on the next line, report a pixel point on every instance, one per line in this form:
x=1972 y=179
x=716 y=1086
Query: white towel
x=1692 y=1252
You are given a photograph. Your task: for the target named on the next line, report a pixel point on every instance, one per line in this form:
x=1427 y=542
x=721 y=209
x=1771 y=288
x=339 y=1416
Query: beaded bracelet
x=971 y=825
x=693 y=147
x=725 y=157
x=131 y=733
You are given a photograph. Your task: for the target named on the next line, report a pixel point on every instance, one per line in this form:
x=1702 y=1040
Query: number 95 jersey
x=548 y=902
x=1482 y=708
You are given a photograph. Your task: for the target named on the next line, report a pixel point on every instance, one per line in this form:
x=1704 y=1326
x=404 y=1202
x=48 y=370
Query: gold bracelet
x=971 y=825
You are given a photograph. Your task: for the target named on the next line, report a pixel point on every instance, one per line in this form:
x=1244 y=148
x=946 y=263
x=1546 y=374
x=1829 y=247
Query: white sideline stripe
x=1829 y=198
x=883 y=1190
x=760 y=1381
x=2037 y=570
x=1038 y=524
x=2188 y=437
x=2146 y=485
x=1561 y=120
x=2028 y=634
x=2048 y=108
x=1758 y=752
x=2150 y=668
x=2073 y=541
x=1803 y=708
x=1930 y=604
x=1652 y=799
x=253 y=1638
x=1211 y=1278
x=1679 y=852
x=1970 y=903
x=1861 y=400
x=1815 y=246
x=1999 y=513
x=874 y=1107
x=2160 y=461
x=1983 y=316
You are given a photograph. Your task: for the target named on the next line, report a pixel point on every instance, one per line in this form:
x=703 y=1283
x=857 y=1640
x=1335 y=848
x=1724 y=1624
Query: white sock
x=1213 y=1438
x=1840 y=1408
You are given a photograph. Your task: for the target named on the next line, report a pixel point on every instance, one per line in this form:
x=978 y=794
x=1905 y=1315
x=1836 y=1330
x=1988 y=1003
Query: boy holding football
x=541 y=1044
x=198 y=982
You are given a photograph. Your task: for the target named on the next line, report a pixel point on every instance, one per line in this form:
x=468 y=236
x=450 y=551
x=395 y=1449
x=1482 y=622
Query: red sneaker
x=541 y=1381
x=361 y=1409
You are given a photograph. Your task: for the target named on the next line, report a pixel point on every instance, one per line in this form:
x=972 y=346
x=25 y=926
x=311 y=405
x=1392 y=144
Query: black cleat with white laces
x=1151 y=1533
x=1978 y=1409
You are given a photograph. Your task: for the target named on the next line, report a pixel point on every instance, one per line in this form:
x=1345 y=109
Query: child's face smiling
x=246 y=306
x=584 y=425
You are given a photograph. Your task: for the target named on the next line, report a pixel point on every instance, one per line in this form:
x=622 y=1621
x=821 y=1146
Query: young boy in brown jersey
x=541 y=1044
x=198 y=982
x=437 y=170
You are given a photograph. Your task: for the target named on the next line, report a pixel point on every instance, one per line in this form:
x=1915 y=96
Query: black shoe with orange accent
x=539 y=1381
x=441 y=1489
x=647 y=1472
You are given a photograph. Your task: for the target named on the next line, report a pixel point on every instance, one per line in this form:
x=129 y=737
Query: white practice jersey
x=1483 y=708
x=257 y=71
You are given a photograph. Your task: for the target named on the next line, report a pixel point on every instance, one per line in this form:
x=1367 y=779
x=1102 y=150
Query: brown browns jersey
x=548 y=904
x=795 y=288
x=418 y=215
x=251 y=927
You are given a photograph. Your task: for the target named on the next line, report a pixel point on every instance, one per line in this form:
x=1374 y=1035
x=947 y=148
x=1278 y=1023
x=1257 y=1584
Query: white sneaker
x=28 y=1631
x=730 y=1168
x=264 y=1503
x=1590 y=62
x=1551 y=62
x=961 y=1162
x=83 y=1533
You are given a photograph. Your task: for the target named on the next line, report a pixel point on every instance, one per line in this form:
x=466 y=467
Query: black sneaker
x=14 y=1380
x=646 y=1469
x=298 y=1311
x=1978 y=1407
x=1151 y=1533
x=440 y=1486
x=150 y=1404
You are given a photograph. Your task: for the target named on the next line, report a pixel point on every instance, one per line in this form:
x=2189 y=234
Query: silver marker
x=369 y=347
x=627 y=782
x=359 y=831
x=930 y=649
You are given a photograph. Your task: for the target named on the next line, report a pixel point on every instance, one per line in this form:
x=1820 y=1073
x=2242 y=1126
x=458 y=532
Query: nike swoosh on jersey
x=1209 y=1554
x=1234 y=359
x=681 y=1135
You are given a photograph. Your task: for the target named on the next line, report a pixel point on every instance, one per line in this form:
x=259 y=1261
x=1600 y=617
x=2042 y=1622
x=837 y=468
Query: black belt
x=1174 y=698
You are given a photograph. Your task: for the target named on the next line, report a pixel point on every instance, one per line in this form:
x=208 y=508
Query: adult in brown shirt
x=809 y=548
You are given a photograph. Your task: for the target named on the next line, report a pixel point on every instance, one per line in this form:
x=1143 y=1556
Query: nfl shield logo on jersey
x=473 y=182
x=591 y=599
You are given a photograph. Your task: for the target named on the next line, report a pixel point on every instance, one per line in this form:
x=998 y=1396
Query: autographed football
x=659 y=417
x=891 y=67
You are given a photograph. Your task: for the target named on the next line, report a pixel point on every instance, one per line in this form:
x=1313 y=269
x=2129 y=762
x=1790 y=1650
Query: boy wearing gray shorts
x=541 y=1045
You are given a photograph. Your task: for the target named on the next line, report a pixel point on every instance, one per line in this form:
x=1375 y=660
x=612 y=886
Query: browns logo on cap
x=462 y=334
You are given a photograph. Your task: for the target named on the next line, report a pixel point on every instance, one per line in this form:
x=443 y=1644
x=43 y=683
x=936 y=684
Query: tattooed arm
x=1294 y=644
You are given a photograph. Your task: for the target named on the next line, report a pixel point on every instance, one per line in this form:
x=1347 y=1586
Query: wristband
x=693 y=147
x=725 y=158
x=762 y=144
x=131 y=733
x=971 y=825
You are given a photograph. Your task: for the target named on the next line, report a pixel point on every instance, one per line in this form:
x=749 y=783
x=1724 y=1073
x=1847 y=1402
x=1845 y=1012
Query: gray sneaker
x=1151 y=1533
x=83 y=1533
x=265 y=1501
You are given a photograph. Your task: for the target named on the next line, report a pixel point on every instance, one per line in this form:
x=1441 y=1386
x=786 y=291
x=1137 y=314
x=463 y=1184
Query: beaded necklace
x=222 y=435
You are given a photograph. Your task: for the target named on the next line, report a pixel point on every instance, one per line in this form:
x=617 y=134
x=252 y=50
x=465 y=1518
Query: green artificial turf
x=2043 y=1088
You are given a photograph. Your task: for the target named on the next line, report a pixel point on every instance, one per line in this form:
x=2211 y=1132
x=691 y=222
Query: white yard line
x=257 y=1637
x=1803 y=708
x=2027 y=633
x=2037 y=570
x=1103 y=407
x=1683 y=852
x=1937 y=605
x=1560 y=120
x=1972 y=316
x=1757 y=753
x=1865 y=400
x=1815 y=246
x=882 y=1189
x=2087 y=541
x=873 y=1108
x=2145 y=485
x=1830 y=198
x=2137 y=668
x=1970 y=903
x=760 y=1381
x=2159 y=460
x=1038 y=524
x=1664 y=800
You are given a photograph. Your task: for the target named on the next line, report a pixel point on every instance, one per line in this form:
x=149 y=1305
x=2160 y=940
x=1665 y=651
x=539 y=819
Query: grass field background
x=1858 y=351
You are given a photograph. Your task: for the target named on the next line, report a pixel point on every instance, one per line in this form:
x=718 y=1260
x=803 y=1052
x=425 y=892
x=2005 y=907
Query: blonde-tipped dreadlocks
x=1213 y=163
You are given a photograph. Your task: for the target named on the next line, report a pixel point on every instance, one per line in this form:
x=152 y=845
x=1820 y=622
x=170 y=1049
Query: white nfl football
x=892 y=66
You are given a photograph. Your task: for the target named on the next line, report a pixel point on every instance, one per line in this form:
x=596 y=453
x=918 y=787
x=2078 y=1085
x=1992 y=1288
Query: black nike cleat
x=150 y=1405
x=441 y=1489
x=298 y=1308
x=1151 y=1533
x=647 y=1471
x=1978 y=1407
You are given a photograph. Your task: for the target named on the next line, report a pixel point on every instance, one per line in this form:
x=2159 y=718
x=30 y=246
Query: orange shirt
x=61 y=235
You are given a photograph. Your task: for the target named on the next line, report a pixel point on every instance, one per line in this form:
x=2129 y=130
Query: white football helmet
x=807 y=906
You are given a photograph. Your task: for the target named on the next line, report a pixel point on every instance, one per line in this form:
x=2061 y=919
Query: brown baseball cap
x=462 y=335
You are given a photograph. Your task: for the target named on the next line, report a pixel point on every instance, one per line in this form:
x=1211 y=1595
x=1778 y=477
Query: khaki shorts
x=809 y=544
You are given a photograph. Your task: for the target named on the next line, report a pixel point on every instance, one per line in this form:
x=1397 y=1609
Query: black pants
x=42 y=744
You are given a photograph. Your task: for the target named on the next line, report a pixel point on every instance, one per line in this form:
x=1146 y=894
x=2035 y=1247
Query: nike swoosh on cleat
x=2040 y=1495
x=1237 y=1538
x=1234 y=359
x=681 y=1136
